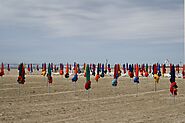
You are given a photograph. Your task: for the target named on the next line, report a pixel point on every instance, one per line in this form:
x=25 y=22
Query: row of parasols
x=100 y=70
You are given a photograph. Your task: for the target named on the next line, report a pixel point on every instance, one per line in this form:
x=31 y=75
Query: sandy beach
x=68 y=102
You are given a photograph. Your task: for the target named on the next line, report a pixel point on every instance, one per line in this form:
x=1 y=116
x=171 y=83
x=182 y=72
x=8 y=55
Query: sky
x=91 y=31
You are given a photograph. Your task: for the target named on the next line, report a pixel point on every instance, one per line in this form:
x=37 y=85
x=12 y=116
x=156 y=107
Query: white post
x=19 y=89
x=137 y=91
x=174 y=97
x=48 y=87
x=155 y=86
x=74 y=85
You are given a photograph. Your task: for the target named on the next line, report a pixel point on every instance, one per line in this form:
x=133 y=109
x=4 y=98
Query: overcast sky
x=134 y=31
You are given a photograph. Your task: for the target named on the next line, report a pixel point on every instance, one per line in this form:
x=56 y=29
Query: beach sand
x=70 y=103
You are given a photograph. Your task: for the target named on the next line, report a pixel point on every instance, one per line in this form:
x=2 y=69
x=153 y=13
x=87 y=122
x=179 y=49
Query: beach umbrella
x=127 y=66
x=8 y=68
x=37 y=67
x=142 y=69
x=119 y=70
x=28 y=67
x=135 y=67
x=90 y=67
x=150 y=68
x=100 y=67
x=78 y=66
x=163 y=69
x=124 y=69
x=67 y=71
x=97 y=74
x=109 y=68
x=159 y=69
x=2 y=70
x=84 y=65
x=51 y=66
x=88 y=81
x=43 y=69
x=75 y=78
x=130 y=72
x=70 y=67
x=93 y=70
x=84 y=68
x=50 y=80
x=183 y=71
x=21 y=77
x=155 y=75
x=74 y=65
x=114 y=81
x=102 y=71
x=61 y=69
x=177 y=68
x=173 y=85
x=55 y=68
x=170 y=67
x=173 y=88
x=49 y=73
x=154 y=69
x=136 y=79
x=116 y=71
x=172 y=73
x=79 y=71
x=141 y=72
x=31 y=68
x=146 y=71
x=105 y=69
